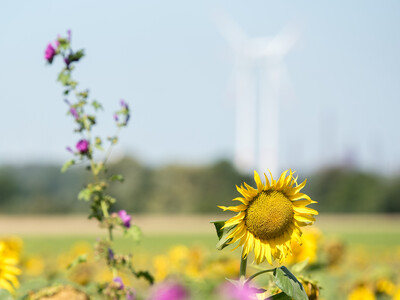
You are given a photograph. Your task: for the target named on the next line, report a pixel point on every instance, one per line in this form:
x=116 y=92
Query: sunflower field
x=334 y=262
x=271 y=243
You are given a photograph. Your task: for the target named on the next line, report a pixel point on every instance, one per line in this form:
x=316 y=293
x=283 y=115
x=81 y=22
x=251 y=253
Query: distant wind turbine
x=257 y=75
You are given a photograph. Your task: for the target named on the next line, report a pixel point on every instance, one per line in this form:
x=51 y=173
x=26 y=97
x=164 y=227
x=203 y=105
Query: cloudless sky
x=168 y=60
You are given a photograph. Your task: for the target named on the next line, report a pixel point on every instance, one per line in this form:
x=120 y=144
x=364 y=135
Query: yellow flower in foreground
x=8 y=269
x=270 y=217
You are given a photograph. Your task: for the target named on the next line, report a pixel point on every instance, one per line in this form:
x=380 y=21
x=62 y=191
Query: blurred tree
x=184 y=189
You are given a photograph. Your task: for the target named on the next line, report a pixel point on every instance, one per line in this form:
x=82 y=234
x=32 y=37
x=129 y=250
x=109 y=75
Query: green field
x=156 y=244
x=371 y=248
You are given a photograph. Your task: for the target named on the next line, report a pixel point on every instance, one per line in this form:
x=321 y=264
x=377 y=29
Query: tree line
x=40 y=189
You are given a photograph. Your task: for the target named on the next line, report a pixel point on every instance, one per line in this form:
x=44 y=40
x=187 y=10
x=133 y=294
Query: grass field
x=160 y=232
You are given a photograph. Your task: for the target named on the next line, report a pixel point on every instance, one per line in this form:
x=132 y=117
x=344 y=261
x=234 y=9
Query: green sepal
x=289 y=284
x=222 y=234
x=117 y=177
x=280 y=296
x=67 y=165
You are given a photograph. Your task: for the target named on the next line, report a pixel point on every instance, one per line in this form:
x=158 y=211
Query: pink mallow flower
x=170 y=291
x=49 y=53
x=82 y=146
x=239 y=291
x=125 y=218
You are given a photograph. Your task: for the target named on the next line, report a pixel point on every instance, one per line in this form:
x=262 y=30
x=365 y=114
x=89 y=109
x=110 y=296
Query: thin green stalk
x=243 y=265
x=259 y=273
x=110 y=235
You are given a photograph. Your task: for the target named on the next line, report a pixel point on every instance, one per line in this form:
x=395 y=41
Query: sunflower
x=269 y=217
x=8 y=269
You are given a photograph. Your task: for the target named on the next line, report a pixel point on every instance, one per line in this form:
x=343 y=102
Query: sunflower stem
x=243 y=265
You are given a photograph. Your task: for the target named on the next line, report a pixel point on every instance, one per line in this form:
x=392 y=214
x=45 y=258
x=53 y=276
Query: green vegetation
x=184 y=189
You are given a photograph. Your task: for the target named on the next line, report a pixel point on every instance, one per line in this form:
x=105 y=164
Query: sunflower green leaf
x=289 y=284
x=280 y=296
x=222 y=234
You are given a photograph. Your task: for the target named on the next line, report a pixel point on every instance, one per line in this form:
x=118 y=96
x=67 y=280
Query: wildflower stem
x=243 y=265
x=259 y=273
x=110 y=234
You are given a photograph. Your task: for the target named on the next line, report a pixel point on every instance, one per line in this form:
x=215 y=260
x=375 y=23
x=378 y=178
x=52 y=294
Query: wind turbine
x=258 y=71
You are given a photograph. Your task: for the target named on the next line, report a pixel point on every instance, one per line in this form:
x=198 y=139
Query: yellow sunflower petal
x=11 y=278
x=257 y=250
x=298 y=188
x=299 y=196
x=241 y=199
x=267 y=184
x=288 y=180
x=249 y=245
x=268 y=253
x=257 y=179
x=304 y=210
x=299 y=203
x=6 y=285
x=234 y=208
x=252 y=191
x=273 y=183
x=281 y=180
x=237 y=233
x=247 y=194
x=304 y=218
x=234 y=220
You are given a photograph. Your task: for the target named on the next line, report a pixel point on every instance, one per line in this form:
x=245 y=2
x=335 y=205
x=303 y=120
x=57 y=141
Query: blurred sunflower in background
x=9 y=258
x=269 y=217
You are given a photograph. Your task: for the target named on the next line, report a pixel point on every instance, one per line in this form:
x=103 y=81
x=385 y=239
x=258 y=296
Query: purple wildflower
x=119 y=280
x=74 y=112
x=69 y=34
x=82 y=146
x=67 y=61
x=49 y=53
x=124 y=104
x=170 y=291
x=116 y=117
x=110 y=254
x=125 y=218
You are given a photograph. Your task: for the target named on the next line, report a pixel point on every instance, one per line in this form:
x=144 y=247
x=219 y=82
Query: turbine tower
x=258 y=71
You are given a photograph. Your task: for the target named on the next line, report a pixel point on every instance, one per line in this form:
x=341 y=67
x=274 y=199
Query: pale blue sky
x=168 y=60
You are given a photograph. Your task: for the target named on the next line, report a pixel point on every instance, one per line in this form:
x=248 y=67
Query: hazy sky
x=171 y=64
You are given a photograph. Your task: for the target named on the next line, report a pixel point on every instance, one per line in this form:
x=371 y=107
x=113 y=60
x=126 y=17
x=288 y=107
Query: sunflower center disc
x=269 y=215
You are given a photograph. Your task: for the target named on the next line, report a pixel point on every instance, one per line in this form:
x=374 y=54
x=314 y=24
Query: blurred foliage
x=184 y=189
